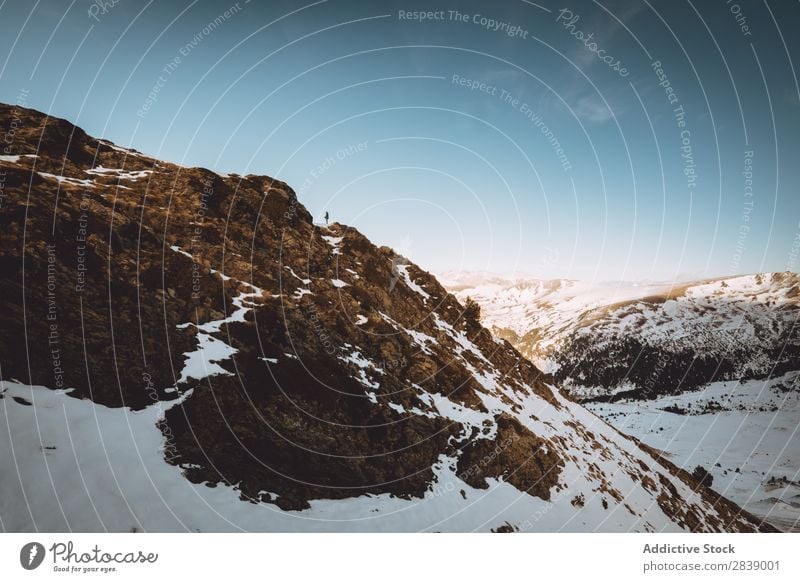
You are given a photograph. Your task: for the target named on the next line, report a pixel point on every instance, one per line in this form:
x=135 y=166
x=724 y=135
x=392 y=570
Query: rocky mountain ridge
x=288 y=362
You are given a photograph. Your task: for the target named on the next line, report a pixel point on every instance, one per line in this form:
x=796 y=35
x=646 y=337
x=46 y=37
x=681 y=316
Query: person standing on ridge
x=326 y=218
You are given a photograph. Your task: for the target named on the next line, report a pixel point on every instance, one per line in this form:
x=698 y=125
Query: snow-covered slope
x=705 y=371
x=746 y=434
x=72 y=465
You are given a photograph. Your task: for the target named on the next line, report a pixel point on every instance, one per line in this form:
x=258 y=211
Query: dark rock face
x=303 y=426
x=83 y=301
x=522 y=459
x=346 y=355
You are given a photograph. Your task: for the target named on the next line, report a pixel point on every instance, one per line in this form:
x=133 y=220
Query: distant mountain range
x=623 y=339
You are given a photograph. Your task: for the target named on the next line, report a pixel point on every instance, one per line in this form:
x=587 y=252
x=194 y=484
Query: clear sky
x=503 y=136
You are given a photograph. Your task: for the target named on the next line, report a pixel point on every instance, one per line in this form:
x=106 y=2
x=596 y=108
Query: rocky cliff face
x=293 y=363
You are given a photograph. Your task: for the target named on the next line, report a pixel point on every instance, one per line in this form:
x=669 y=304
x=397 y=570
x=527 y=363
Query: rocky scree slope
x=330 y=368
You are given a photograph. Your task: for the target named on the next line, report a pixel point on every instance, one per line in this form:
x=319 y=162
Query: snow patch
x=406 y=276
x=334 y=242
x=67 y=180
x=119 y=173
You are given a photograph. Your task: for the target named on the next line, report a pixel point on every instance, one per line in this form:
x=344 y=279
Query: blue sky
x=493 y=139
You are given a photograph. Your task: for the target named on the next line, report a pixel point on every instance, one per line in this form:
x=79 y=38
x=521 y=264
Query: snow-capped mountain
x=186 y=351
x=706 y=372
x=533 y=314
x=622 y=338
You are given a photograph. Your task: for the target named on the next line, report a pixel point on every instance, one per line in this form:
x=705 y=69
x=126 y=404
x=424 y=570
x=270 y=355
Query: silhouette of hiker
x=326 y=218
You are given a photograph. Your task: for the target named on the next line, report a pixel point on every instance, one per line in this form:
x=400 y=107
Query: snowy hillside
x=747 y=435
x=706 y=372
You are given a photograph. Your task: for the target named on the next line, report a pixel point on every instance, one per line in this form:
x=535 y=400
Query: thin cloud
x=592 y=110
